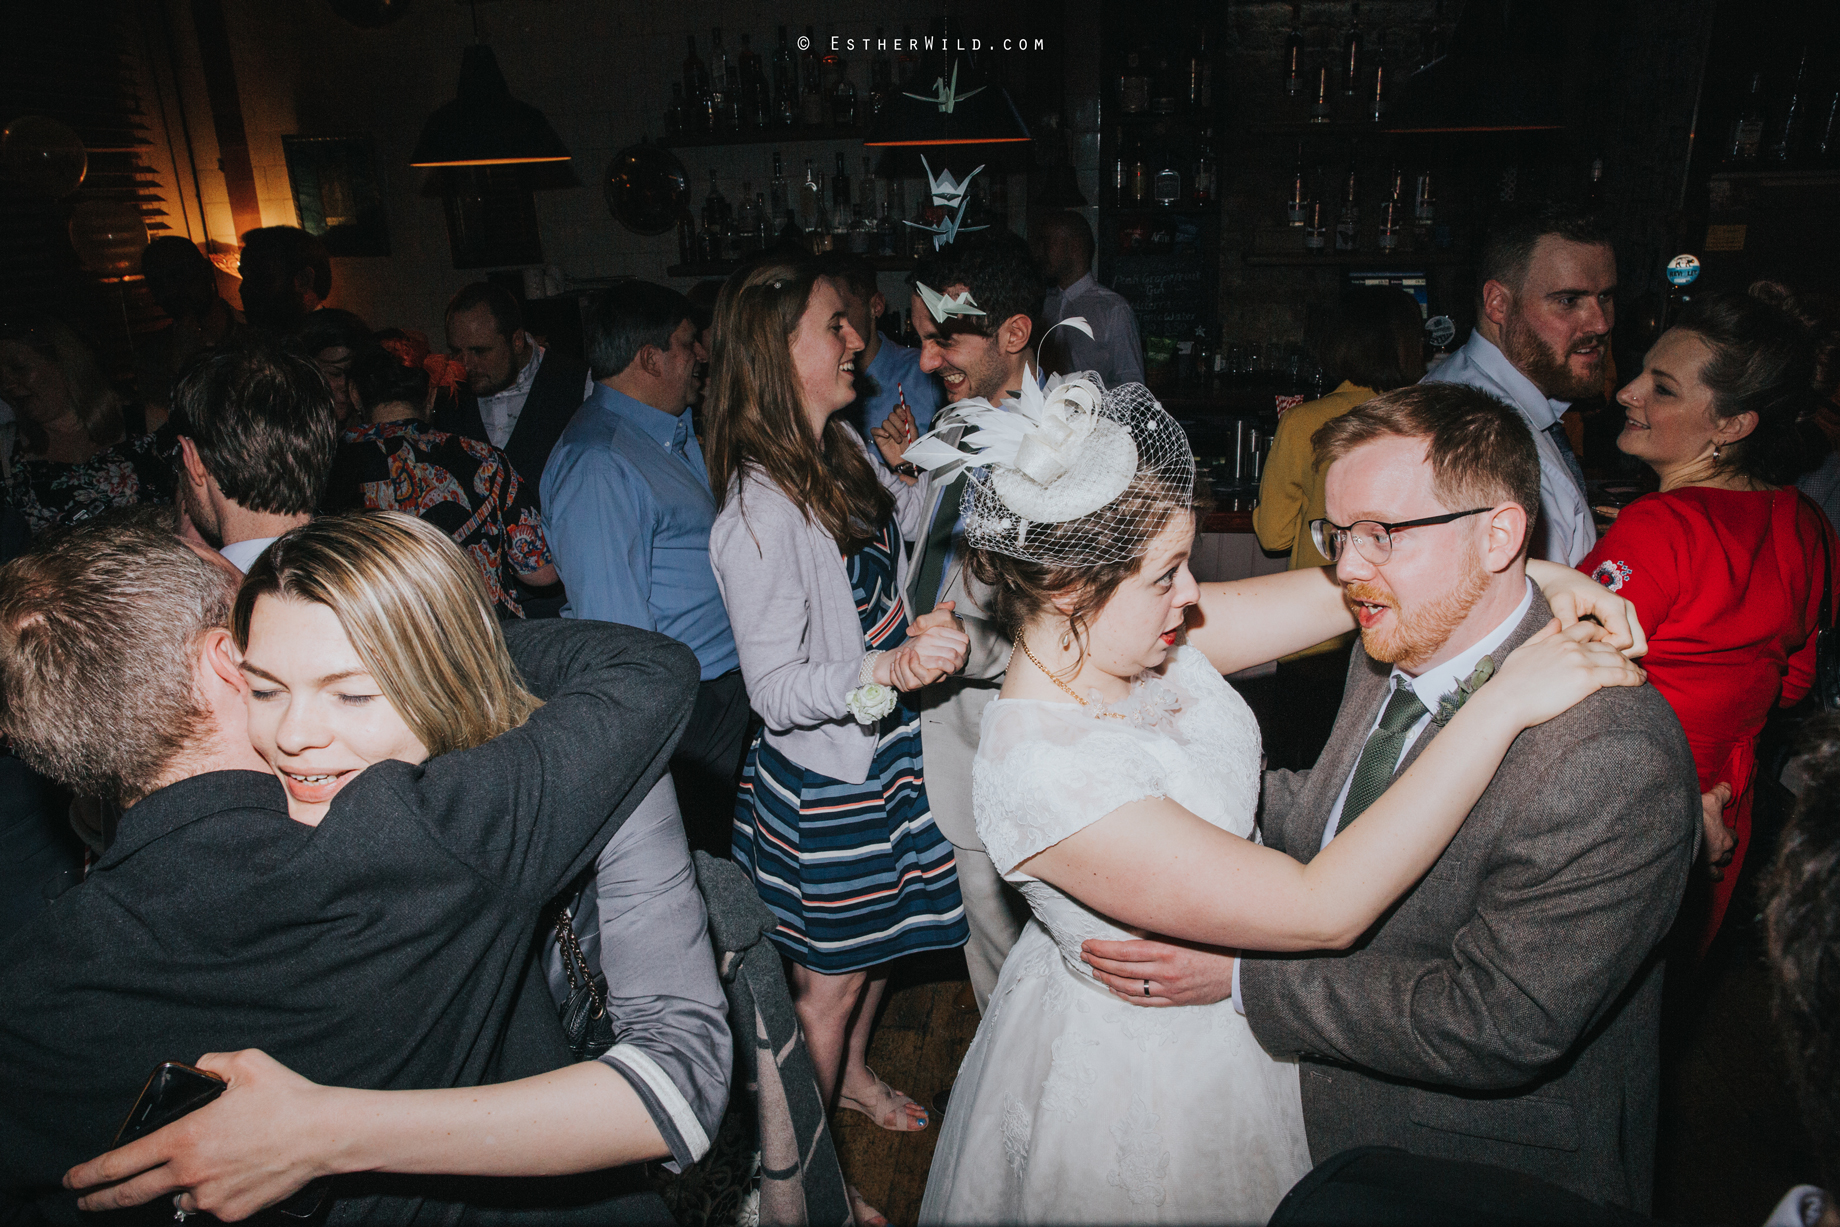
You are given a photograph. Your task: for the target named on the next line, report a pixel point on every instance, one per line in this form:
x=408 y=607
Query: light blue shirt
x=896 y=374
x=1565 y=532
x=1430 y=686
x=627 y=510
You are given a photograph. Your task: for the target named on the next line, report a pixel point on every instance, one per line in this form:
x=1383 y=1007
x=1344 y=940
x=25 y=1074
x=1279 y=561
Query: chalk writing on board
x=1166 y=291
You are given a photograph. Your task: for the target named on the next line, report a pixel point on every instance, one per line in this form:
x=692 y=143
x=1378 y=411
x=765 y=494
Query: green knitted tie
x=1380 y=756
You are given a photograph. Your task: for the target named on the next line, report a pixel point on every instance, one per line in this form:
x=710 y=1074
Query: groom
x=1506 y=1010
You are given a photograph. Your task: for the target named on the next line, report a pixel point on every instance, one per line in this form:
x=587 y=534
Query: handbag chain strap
x=573 y=961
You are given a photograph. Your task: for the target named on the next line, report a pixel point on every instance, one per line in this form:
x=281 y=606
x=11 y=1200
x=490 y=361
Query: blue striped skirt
x=856 y=873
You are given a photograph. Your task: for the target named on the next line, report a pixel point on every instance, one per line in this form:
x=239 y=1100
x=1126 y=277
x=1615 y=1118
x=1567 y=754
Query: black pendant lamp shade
x=961 y=108
x=484 y=125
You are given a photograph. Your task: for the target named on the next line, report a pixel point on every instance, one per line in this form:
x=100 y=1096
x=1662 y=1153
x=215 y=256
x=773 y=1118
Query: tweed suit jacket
x=1505 y=1011
x=952 y=709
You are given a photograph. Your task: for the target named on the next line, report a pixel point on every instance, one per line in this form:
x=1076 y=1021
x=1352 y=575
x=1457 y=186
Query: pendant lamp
x=484 y=125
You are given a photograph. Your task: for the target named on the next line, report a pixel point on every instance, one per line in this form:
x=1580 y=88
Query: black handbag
x=585 y=1020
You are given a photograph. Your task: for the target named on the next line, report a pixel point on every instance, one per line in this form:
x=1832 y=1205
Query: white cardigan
x=796 y=628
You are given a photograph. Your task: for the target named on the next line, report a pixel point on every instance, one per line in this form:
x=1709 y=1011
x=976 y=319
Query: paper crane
x=947 y=96
x=948 y=229
x=947 y=191
x=940 y=305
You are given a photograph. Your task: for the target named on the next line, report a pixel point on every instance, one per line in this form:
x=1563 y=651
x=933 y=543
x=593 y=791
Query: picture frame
x=334 y=181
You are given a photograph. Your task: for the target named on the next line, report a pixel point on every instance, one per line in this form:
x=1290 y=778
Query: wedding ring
x=1146 y=988
x=180 y=1213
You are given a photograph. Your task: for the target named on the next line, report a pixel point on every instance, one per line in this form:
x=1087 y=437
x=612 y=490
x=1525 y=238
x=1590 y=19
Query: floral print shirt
x=52 y=494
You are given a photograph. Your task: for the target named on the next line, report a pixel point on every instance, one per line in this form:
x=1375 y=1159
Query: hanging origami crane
x=947 y=192
x=947 y=96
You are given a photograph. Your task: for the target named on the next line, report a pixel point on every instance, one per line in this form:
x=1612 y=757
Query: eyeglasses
x=1372 y=539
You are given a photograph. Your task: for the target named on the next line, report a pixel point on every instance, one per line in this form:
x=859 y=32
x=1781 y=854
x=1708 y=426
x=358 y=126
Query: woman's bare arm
x=272 y=1132
x=1154 y=865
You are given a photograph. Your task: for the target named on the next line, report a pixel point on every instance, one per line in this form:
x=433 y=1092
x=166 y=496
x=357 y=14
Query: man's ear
x=189 y=459
x=520 y=343
x=1507 y=528
x=1497 y=301
x=221 y=654
x=1014 y=333
x=651 y=360
x=878 y=307
x=304 y=280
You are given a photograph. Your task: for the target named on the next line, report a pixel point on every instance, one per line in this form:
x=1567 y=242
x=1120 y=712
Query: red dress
x=1727 y=584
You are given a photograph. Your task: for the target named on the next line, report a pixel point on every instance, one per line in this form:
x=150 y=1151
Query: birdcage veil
x=1073 y=475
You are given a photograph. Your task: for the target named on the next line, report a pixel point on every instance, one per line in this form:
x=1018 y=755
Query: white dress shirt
x=243 y=554
x=1113 y=350
x=1566 y=531
x=1430 y=686
x=500 y=411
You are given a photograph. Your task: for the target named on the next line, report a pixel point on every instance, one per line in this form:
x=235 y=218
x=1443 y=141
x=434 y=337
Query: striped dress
x=856 y=873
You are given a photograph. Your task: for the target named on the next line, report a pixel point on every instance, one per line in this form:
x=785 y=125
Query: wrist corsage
x=871 y=700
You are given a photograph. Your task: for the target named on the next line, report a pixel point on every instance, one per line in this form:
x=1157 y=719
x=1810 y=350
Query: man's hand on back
x=1173 y=973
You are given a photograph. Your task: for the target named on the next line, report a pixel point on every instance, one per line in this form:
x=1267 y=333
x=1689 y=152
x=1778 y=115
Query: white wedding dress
x=1073 y=1106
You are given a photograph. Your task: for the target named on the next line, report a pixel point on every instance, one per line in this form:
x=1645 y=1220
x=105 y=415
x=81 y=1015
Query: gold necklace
x=1023 y=645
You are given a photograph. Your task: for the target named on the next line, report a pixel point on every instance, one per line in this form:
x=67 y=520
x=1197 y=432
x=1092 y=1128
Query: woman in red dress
x=1724 y=563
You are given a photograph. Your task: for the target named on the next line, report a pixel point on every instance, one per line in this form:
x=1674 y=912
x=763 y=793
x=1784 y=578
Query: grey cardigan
x=801 y=643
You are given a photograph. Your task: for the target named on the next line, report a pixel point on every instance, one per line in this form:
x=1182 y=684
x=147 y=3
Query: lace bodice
x=1046 y=770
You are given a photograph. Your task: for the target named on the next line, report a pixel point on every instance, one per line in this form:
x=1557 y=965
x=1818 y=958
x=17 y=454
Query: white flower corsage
x=871 y=700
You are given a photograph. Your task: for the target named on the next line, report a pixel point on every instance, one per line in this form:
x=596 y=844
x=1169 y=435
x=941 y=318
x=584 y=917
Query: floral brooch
x=1450 y=704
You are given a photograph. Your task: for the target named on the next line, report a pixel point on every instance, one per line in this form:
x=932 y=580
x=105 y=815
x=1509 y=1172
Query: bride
x=1116 y=781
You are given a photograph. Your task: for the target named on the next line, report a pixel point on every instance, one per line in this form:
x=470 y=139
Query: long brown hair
x=757 y=416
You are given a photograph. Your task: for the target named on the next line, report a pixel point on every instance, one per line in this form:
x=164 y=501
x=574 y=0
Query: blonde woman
x=808 y=547
x=446 y=806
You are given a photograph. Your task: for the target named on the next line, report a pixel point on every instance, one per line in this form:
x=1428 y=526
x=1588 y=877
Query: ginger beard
x=1412 y=633
x=1553 y=373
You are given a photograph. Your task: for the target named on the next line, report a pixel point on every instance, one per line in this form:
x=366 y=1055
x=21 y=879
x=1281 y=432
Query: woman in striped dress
x=808 y=547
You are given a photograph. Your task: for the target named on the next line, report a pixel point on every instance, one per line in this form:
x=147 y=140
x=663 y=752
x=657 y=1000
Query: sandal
x=864 y=1214
x=891 y=1110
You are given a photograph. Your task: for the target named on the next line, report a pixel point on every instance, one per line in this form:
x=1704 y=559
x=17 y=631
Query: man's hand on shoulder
x=1157 y=973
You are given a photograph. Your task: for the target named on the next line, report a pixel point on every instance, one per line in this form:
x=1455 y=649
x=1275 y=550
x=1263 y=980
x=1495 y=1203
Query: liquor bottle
x=1351 y=52
x=1168 y=183
x=1133 y=87
x=676 y=119
x=1382 y=80
x=1321 y=108
x=791 y=234
x=1121 y=173
x=1203 y=355
x=1139 y=178
x=715 y=220
x=1164 y=89
x=811 y=85
x=1296 y=210
x=1795 y=116
x=755 y=105
x=1392 y=214
x=858 y=232
x=823 y=237
x=884 y=232
x=809 y=192
x=1200 y=95
x=1348 y=219
x=843 y=97
x=881 y=76
x=1424 y=201
x=747 y=226
x=1201 y=184
x=1747 y=129
x=1682 y=272
x=840 y=189
x=696 y=82
x=785 y=85
x=777 y=184
x=1594 y=194
x=736 y=114
x=907 y=64
x=1293 y=53
x=718 y=81
x=1827 y=149
x=1316 y=227
x=686 y=238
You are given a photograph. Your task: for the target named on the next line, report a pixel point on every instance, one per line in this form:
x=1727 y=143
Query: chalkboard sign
x=1169 y=291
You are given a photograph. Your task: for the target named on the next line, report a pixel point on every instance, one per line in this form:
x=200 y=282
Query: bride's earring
x=1715 y=452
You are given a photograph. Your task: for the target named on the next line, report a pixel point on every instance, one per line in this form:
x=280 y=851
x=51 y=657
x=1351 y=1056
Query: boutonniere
x=1449 y=705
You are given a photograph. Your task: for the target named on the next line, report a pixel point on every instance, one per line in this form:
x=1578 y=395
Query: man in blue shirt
x=888 y=372
x=627 y=510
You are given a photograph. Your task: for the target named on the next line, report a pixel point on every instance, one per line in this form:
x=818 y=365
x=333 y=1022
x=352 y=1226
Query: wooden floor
x=1731 y=1141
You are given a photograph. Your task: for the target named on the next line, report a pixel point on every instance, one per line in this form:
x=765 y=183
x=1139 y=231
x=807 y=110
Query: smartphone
x=173 y=1089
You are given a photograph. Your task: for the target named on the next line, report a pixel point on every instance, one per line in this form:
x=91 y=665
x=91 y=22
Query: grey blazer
x=952 y=709
x=1505 y=1011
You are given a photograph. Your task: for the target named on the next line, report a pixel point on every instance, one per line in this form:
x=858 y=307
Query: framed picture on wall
x=334 y=180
